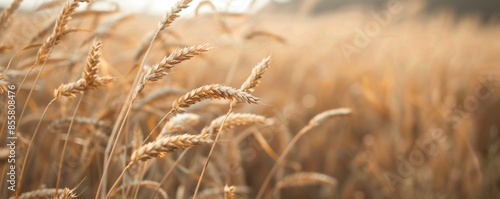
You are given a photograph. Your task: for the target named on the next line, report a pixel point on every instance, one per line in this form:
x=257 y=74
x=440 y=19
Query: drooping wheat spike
x=172 y=14
x=3 y=83
x=319 y=118
x=7 y=13
x=254 y=79
x=229 y=192
x=178 y=122
x=159 y=147
x=60 y=26
x=162 y=68
x=213 y=91
x=234 y=119
x=305 y=179
x=48 y=194
x=92 y=66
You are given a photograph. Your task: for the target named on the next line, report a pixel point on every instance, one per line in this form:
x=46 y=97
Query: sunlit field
x=305 y=99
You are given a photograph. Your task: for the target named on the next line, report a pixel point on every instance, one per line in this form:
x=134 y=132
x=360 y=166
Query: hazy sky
x=157 y=6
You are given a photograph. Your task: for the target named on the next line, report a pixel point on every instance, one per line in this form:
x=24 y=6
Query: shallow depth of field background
x=422 y=80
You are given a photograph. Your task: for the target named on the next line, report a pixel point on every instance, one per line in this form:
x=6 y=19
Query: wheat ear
x=254 y=79
x=173 y=14
x=177 y=123
x=61 y=25
x=213 y=91
x=89 y=80
x=7 y=13
x=162 y=68
x=3 y=83
x=159 y=147
x=234 y=119
x=229 y=192
x=48 y=193
x=304 y=179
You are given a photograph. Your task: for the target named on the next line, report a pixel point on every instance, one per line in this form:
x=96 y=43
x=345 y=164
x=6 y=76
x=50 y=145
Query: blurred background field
x=422 y=80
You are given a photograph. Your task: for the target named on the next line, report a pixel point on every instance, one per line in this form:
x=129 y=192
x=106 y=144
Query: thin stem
x=281 y=159
x=210 y=153
x=66 y=141
x=119 y=178
x=121 y=120
x=26 y=157
x=169 y=172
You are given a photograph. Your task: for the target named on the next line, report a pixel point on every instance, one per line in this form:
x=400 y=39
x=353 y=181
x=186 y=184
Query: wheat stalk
x=213 y=91
x=159 y=147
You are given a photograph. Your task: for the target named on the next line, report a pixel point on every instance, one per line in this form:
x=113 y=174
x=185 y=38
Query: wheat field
x=391 y=102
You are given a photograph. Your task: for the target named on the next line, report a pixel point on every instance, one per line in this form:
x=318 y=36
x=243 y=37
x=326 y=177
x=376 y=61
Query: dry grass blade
x=177 y=123
x=234 y=119
x=159 y=147
x=305 y=179
x=229 y=192
x=254 y=79
x=213 y=91
x=48 y=193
